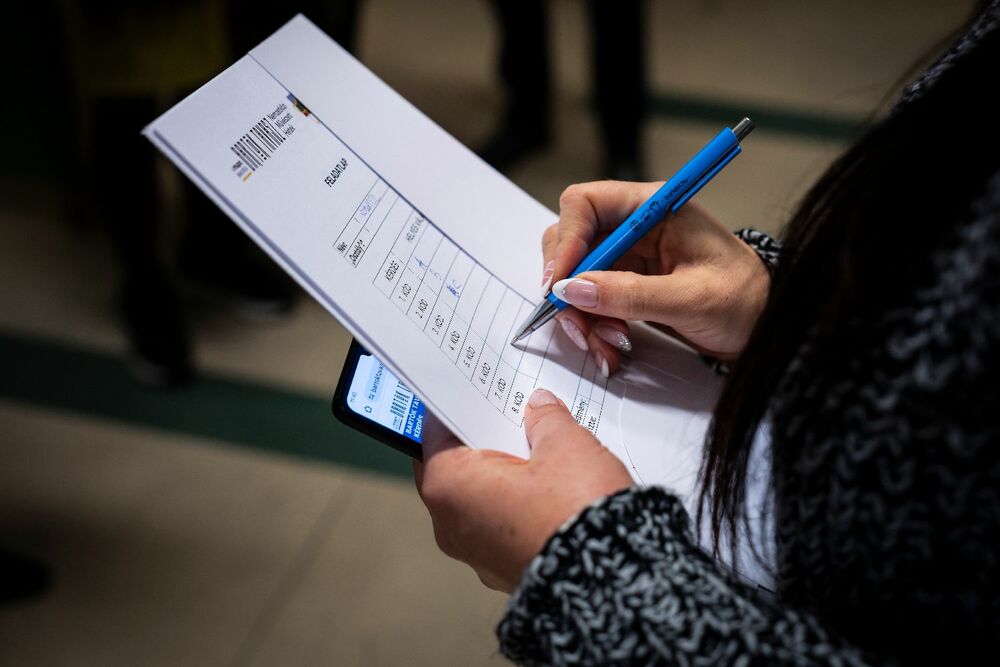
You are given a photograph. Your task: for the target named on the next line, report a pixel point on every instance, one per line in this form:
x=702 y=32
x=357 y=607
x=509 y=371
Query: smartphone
x=372 y=400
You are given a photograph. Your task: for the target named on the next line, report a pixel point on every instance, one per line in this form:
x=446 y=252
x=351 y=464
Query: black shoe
x=512 y=143
x=22 y=578
x=161 y=352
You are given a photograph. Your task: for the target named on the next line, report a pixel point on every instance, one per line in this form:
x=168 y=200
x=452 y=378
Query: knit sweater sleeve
x=767 y=247
x=625 y=583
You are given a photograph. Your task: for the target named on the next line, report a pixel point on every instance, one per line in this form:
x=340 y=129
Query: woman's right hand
x=689 y=273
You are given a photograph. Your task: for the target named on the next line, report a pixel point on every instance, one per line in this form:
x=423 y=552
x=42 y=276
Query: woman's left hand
x=494 y=511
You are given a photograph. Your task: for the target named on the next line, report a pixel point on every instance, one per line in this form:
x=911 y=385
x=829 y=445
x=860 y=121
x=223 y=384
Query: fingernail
x=602 y=363
x=613 y=336
x=576 y=292
x=547 y=276
x=541 y=397
x=574 y=333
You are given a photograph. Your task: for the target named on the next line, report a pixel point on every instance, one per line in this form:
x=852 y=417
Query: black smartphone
x=372 y=400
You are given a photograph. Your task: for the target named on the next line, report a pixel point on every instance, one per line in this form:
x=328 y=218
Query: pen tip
x=743 y=128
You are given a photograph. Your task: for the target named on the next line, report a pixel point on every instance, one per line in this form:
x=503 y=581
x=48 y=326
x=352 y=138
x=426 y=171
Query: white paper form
x=422 y=251
x=431 y=312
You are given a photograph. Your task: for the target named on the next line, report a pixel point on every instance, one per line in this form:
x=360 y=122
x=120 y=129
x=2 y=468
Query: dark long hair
x=858 y=244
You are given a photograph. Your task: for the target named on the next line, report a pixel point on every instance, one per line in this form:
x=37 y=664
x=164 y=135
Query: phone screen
x=378 y=395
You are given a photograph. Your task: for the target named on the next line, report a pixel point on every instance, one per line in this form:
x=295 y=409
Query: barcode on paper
x=259 y=143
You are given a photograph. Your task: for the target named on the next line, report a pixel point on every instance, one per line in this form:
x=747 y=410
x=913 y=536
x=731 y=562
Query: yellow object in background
x=125 y=49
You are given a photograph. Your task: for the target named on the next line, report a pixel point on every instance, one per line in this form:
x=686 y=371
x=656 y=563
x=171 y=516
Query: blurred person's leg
x=224 y=263
x=341 y=21
x=126 y=194
x=22 y=577
x=620 y=83
x=124 y=56
x=214 y=253
x=526 y=74
x=251 y=21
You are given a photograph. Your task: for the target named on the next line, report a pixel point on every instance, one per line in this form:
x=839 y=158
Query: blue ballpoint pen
x=668 y=199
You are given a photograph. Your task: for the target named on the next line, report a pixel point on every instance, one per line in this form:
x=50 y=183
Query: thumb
x=629 y=296
x=548 y=422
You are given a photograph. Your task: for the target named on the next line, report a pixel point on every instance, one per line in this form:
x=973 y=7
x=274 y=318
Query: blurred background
x=173 y=488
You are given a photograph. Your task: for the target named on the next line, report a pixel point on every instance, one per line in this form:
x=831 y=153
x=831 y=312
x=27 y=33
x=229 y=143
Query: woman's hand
x=494 y=511
x=689 y=273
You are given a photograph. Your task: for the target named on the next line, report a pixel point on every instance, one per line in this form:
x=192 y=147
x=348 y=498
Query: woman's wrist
x=765 y=252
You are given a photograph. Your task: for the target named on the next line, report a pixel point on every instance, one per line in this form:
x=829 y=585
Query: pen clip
x=726 y=159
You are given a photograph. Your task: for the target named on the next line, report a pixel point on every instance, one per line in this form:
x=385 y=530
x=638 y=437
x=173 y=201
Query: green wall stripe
x=767 y=118
x=56 y=375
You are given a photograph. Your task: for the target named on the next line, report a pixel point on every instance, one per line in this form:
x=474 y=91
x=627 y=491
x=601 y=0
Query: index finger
x=587 y=209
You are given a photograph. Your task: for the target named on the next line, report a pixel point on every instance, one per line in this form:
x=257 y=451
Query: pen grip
x=691 y=177
x=671 y=196
x=706 y=178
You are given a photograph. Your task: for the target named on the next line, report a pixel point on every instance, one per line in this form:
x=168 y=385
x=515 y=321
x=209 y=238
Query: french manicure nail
x=603 y=364
x=577 y=292
x=541 y=397
x=547 y=276
x=573 y=333
x=613 y=336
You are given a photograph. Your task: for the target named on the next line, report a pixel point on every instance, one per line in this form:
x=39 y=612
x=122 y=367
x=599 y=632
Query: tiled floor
x=177 y=551
x=170 y=549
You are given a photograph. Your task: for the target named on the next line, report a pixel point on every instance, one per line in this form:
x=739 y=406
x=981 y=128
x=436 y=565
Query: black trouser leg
x=524 y=60
x=525 y=72
x=250 y=21
x=124 y=177
x=124 y=180
x=620 y=78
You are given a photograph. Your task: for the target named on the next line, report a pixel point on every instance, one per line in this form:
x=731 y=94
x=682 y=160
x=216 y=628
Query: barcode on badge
x=401 y=402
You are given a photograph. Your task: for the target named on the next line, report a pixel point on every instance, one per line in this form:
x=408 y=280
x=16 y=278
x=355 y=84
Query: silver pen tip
x=743 y=128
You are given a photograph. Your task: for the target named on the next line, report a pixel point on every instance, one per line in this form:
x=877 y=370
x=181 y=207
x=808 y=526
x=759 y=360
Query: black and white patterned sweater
x=887 y=527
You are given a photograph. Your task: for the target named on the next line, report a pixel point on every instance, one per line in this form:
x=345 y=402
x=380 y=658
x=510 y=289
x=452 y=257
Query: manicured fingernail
x=609 y=334
x=602 y=364
x=574 y=333
x=547 y=276
x=576 y=292
x=541 y=397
